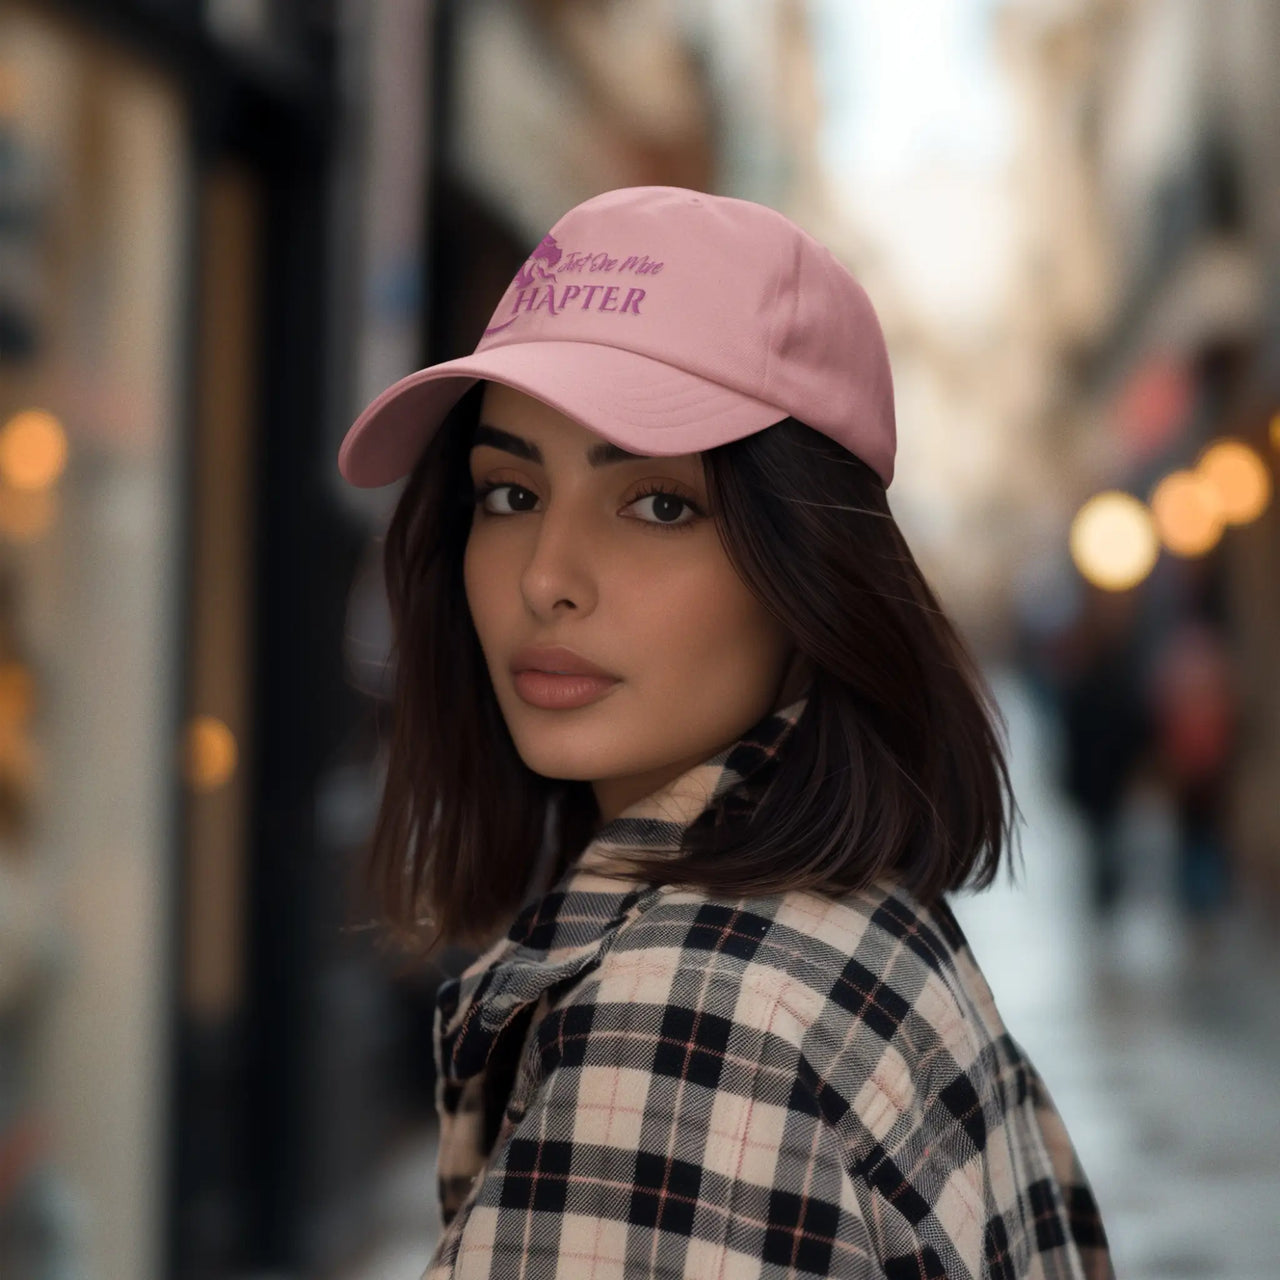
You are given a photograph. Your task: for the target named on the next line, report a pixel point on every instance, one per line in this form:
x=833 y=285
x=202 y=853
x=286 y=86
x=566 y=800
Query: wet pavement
x=1160 y=1041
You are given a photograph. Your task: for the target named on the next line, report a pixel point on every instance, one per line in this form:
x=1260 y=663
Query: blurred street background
x=225 y=225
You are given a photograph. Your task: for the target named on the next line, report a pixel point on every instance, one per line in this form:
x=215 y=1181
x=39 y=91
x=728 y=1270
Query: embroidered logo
x=538 y=286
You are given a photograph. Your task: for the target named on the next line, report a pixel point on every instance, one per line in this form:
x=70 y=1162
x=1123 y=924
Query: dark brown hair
x=894 y=768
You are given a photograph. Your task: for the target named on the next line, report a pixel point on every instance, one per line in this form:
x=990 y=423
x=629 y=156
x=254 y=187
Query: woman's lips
x=560 y=693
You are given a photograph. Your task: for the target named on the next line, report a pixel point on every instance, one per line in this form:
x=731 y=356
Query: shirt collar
x=556 y=935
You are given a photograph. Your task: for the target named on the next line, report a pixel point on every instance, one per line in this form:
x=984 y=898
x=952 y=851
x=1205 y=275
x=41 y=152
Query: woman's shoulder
x=878 y=957
x=870 y=1012
x=883 y=924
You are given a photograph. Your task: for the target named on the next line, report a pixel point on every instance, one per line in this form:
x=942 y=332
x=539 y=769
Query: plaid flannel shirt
x=644 y=1081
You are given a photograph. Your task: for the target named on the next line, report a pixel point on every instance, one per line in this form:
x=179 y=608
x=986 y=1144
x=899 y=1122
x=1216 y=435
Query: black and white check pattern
x=643 y=1081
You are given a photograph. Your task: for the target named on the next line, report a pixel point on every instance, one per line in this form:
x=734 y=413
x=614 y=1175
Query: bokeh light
x=1238 y=477
x=210 y=755
x=1186 y=512
x=33 y=450
x=1112 y=540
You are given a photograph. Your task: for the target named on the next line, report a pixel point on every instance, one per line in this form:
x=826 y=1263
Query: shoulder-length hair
x=894 y=768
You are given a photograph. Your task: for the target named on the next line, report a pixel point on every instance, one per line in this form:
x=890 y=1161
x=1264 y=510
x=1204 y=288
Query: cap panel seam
x=775 y=319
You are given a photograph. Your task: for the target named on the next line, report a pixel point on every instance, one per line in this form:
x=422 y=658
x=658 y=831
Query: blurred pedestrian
x=1107 y=731
x=1194 y=708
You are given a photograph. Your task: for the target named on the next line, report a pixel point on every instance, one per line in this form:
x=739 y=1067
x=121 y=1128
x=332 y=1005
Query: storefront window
x=93 y=200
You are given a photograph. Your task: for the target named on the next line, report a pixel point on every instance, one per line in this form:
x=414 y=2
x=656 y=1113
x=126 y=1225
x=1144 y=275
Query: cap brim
x=631 y=400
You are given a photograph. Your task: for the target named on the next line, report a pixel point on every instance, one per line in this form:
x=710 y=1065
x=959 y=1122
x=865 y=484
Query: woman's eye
x=665 y=510
x=666 y=506
x=483 y=493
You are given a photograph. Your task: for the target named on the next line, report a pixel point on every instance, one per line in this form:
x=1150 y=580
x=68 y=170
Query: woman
x=672 y=693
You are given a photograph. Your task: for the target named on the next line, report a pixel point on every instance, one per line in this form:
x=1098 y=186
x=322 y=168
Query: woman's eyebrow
x=598 y=455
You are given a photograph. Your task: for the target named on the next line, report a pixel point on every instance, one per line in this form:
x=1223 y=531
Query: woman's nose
x=560 y=561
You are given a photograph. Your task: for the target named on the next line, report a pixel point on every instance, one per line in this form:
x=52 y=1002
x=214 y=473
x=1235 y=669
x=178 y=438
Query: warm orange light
x=1186 y=512
x=33 y=450
x=27 y=514
x=1238 y=477
x=210 y=754
x=17 y=692
x=1275 y=430
x=1112 y=540
x=11 y=92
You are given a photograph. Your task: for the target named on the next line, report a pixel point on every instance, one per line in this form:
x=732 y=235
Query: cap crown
x=727 y=289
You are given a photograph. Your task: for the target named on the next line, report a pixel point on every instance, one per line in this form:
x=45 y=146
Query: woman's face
x=584 y=555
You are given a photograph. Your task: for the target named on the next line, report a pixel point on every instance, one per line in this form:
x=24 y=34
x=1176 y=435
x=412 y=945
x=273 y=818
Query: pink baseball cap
x=667 y=321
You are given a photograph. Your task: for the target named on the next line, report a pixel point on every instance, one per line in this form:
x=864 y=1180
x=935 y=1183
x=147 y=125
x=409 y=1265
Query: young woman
x=684 y=743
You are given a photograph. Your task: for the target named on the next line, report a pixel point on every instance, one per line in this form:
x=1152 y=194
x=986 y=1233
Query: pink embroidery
x=549 y=252
x=538 y=287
